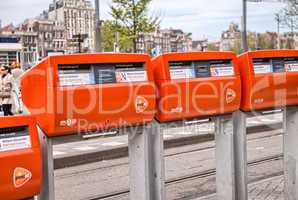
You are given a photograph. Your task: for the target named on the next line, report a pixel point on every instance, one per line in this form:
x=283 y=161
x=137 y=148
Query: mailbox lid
x=20 y=159
x=119 y=83
x=269 y=79
x=203 y=94
x=100 y=59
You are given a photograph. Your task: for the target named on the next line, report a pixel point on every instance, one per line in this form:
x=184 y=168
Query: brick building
x=75 y=17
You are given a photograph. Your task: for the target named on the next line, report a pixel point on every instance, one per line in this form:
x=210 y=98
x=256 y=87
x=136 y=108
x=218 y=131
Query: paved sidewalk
x=268 y=189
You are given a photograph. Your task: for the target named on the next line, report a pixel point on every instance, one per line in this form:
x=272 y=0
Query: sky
x=203 y=18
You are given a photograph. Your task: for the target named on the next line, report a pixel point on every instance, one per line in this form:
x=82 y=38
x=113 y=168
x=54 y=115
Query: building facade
x=10 y=48
x=75 y=17
x=36 y=39
x=164 y=41
x=230 y=38
x=289 y=40
x=28 y=38
x=200 y=45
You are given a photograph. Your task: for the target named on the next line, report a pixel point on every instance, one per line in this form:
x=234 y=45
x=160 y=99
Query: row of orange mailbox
x=78 y=93
x=66 y=92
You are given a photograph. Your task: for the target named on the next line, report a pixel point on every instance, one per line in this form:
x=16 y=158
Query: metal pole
x=156 y=163
x=224 y=154
x=139 y=182
x=278 y=30
x=146 y=163
x=48 y=182
x=240 y=144
x=97 y=27
x=79 y=40
x=290 y=122
x=244 y=27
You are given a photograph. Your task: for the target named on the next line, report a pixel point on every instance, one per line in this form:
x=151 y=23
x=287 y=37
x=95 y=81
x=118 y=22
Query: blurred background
x=31 y=30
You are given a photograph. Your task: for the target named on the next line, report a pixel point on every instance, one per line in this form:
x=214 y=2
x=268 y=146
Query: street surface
x=189 y=172
x=268 y=189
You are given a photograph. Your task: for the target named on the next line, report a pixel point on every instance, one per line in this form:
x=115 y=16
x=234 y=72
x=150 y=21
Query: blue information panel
x=275 y=65
x=200 y=69
x=103 y=73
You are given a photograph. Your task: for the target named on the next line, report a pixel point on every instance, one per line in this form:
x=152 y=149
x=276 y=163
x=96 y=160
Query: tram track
x=73 y=160
x=211 y=146
x=199 y=175
x=108 y=180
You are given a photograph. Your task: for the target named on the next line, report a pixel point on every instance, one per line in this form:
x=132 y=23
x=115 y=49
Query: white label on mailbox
x=217 y=71
x=262 y=68
x=75 y=79
x=182 y=73
x=14 y=143
x=291 y=67
x=123 y=76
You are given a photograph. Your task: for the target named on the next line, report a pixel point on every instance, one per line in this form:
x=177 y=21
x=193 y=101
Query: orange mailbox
x=196 y=84
x=20 y=158
x=269 y=79
x=88 y=92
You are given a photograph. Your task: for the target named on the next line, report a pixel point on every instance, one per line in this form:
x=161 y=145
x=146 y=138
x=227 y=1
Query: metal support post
x=156 y=162
x=97 y=27
x=240 y=144
x=290 y=146
x=146 y=163
x=225 y=173
x=47 y=184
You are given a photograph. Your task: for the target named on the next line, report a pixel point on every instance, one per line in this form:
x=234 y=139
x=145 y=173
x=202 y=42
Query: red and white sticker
x=21 y=176
x=141 y=104
x=217 y=71
x=131 y=76
x=230 y=95
x=291 y=67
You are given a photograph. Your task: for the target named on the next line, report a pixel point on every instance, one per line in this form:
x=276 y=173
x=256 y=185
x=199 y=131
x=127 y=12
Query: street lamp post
x=244 y=19
x=244 y=26
x=277 y=17
x=97 y=27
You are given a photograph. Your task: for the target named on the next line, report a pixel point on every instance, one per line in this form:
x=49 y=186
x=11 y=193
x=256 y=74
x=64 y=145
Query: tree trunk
x=135 y=46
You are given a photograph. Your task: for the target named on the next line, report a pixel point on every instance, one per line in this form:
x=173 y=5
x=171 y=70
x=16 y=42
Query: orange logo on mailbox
x=230 y=95
x=21 y=176
x=141 y=104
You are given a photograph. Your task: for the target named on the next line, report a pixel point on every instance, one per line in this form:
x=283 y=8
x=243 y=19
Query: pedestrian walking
x=16 y=73
x=6 y=89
